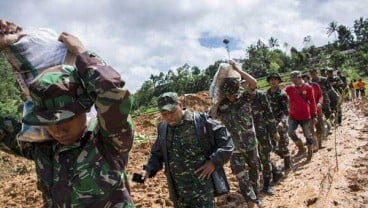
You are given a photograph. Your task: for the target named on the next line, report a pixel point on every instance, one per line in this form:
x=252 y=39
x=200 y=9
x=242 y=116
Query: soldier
x=235 y=112
x=335 y=83
x=302 y=110
x=279 y=102
x=77 y=165
x=265 y=126
x=178 y=146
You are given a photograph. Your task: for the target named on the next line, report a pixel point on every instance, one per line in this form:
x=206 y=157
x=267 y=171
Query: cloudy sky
x=143 y=37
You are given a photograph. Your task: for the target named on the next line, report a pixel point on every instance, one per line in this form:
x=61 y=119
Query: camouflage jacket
x=264 y=120
x=179 y=148
x=279 y=103
x=238 y=119
x=90 y=172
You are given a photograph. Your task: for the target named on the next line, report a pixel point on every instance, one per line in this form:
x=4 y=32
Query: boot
x=267 y=189
x=310 y=152
x=319 y=141
x=287 y=163
x=276 y=175
x=301 y=148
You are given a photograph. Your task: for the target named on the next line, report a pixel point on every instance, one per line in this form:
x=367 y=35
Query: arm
x=112 y=100
x=155 y=162
x=251 y=81
x=312 y=101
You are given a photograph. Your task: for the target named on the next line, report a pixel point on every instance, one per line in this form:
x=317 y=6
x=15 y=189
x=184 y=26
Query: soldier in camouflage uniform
x=187 y=168
x=265 y=126
x=78 y=165
x=336 y=84
x=236 y=113
x=279 y=103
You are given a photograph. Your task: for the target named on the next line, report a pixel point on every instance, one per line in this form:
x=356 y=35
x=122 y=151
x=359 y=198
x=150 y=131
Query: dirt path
x=316 y=184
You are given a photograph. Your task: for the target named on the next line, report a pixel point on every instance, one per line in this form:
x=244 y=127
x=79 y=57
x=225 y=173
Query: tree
x=332 y=28
x=345 y=38
x=273 y=42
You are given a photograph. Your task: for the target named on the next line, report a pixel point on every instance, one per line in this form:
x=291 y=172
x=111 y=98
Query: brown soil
x=336 y=176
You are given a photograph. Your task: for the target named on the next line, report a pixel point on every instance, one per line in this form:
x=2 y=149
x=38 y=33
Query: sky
x=143 y=37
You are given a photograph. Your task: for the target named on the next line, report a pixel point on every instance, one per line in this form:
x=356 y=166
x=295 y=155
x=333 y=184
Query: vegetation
x=347 y=52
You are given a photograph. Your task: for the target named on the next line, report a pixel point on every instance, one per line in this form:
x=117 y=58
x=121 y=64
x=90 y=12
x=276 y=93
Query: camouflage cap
x=168 y=101
x=58 y=96
x=274 y=75
x=230 y=86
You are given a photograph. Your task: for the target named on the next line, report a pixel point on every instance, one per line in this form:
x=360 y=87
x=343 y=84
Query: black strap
x=302 y=96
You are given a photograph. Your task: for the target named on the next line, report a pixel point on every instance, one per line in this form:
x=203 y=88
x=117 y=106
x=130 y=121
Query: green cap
x=168 y=101
x=58 y=96
x=230 y=86
x=274 y=75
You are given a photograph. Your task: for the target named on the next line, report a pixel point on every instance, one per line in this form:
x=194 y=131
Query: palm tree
x=273 y=42
x=307 y=41
x=332 y=28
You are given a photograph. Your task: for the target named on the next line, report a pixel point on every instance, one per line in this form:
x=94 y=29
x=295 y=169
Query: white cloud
x=144 y=37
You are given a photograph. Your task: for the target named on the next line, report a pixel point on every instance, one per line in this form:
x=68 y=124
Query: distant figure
x=361 y=86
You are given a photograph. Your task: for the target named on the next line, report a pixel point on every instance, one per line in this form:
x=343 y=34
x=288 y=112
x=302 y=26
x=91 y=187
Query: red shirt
x=301 y=108
x=317 y=95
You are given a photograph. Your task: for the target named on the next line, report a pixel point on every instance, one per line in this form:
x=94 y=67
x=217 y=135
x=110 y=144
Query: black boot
x=267 y=189
x=276 y=175
x=287 y=163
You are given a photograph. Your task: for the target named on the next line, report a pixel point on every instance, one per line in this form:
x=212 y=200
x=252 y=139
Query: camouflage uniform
x=90 y=172
x=335 y=83
x=279 y=103
x=325 y=87
x=265 y=125
x=185 y=187
x=237 y=117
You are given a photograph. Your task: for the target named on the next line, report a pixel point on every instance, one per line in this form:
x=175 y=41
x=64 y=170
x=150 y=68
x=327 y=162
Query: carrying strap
x=301 y=95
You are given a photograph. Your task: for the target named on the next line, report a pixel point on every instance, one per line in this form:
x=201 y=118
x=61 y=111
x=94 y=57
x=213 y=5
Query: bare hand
x=206 y=170
x=276 y=137
x=9 y=33
x=233 y=65
x=72 y=42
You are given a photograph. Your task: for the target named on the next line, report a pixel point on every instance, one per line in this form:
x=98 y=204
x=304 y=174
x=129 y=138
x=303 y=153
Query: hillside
x=336 y=176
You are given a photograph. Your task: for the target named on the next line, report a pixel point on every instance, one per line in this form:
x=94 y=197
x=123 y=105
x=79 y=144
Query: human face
x=68 y=132
x=274 y=82
x=173 y=117
x=298 y=81
x=232 y=97
x=313 y=74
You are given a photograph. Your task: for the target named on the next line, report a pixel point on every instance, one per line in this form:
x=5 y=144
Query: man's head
x=274 y=79
x=313 y=73
x=296 y=77
x=306 y=77
x=330 y=72
x=323 y=72
x=231 y=86
x=59 y=103
x=170 y=108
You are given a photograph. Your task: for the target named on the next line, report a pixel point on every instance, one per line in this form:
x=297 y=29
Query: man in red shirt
x=302 y=110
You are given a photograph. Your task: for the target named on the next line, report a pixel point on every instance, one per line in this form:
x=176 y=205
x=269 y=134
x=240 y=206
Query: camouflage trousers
x=245 y=166
x=264 y=149
x=281 y=148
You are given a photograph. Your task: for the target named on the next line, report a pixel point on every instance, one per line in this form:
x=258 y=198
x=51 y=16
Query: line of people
x=83 y=164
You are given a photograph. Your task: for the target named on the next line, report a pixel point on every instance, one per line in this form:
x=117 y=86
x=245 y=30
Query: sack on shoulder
x=221 y=185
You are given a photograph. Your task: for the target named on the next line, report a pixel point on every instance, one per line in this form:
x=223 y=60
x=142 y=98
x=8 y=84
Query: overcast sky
x=143 y=37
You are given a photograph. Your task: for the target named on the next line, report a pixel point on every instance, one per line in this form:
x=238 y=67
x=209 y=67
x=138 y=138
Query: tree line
x=347 y=52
